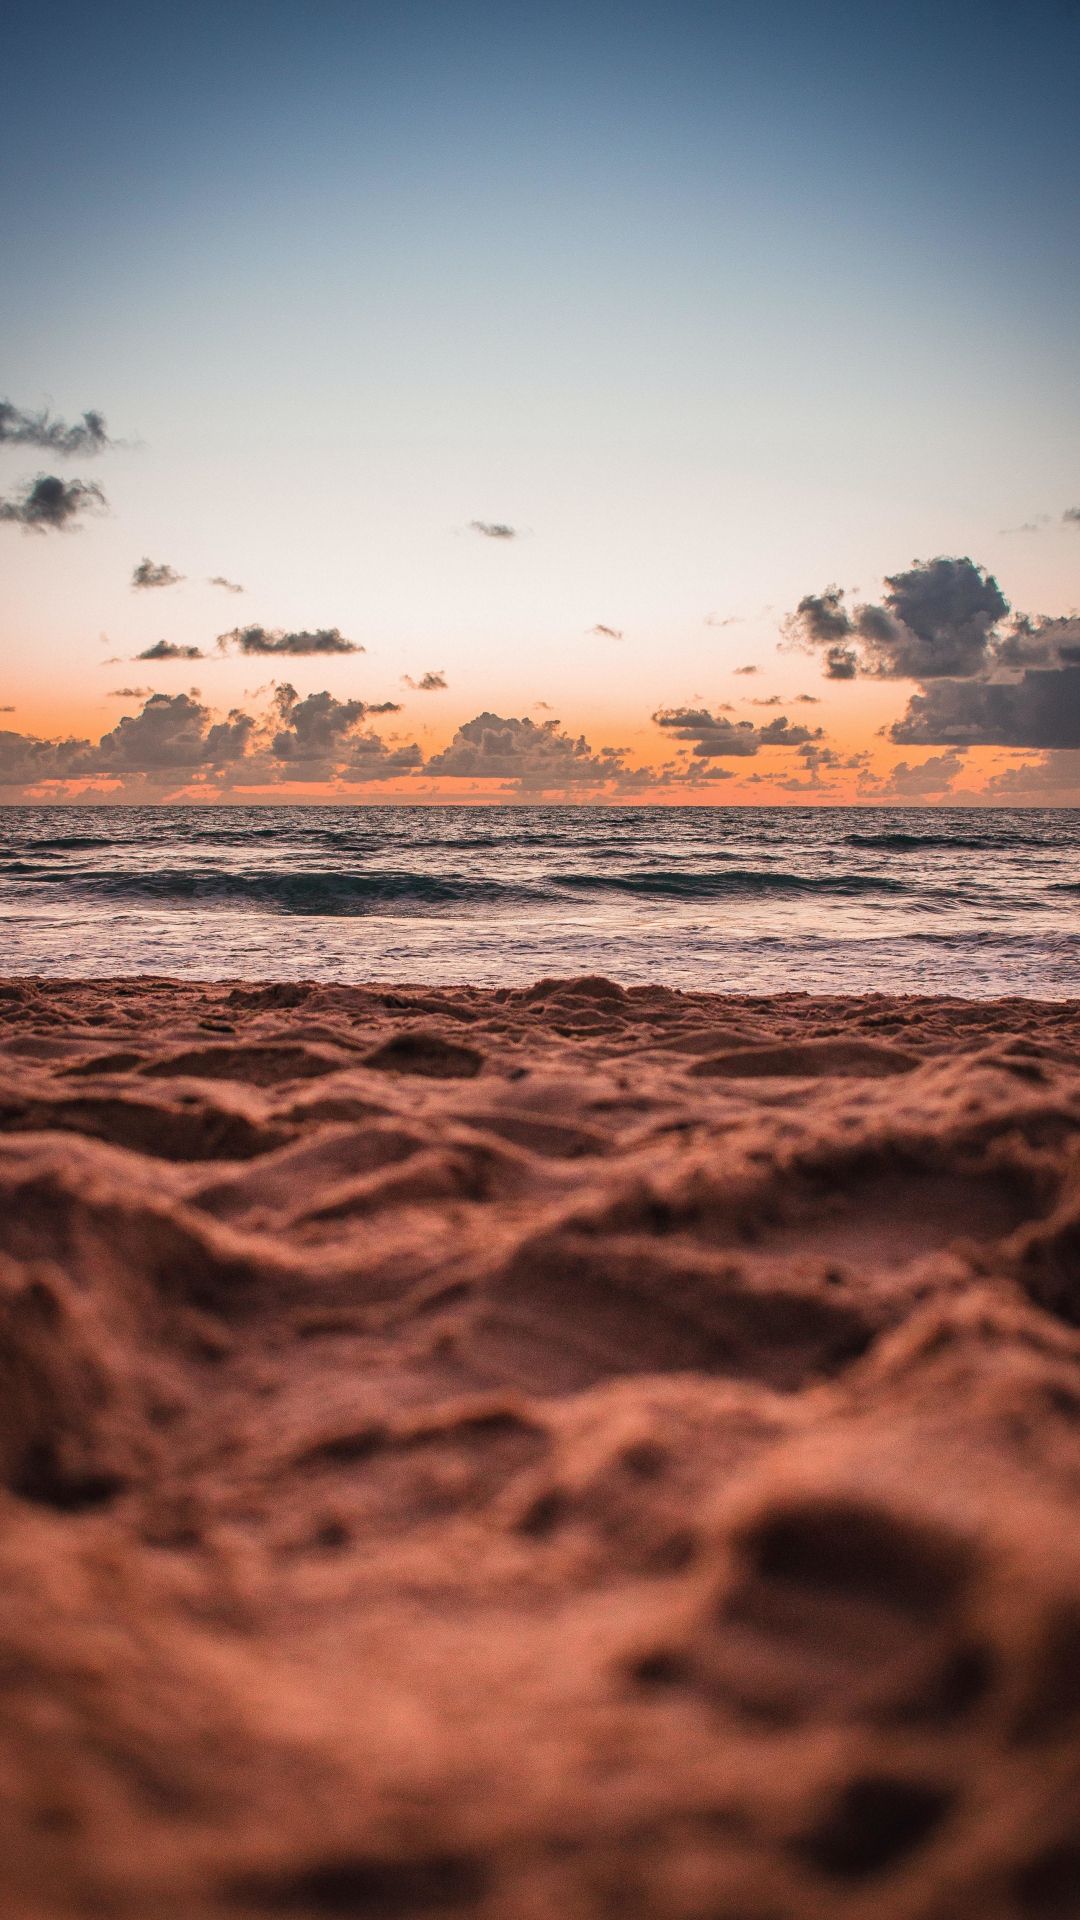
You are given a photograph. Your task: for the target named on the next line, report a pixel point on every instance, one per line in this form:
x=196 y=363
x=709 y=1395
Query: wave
x=325 y=891
x=949 y=842
x=78 y=843
x=313 y=893
x=676 y=884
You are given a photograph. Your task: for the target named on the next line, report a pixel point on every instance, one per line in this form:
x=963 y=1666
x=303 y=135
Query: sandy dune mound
x=570 y=1451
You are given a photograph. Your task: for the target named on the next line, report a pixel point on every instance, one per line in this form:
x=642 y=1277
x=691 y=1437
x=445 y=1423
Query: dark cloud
x=807 y=700
x=1041 y=709
x=48 y=502
x=1040 y=643
x=427 y=683
x=22 y=429
x=606 y=633
x=538 y=758
x=841 y=663
x=1026 y=694
x=168 y=650
x=320 y=737
x=712 y=736
x=155 y=573
x=984 y=680
x=219 y=580
x=493 y=529
x=822 y=618
x=938 y=619
x=257 y=640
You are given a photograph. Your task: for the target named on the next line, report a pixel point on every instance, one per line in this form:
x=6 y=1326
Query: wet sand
x=558 y=1452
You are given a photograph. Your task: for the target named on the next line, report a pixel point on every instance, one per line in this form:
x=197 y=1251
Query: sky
x=616 y=402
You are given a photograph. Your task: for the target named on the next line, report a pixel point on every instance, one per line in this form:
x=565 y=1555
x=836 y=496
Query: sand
x=538 y=1453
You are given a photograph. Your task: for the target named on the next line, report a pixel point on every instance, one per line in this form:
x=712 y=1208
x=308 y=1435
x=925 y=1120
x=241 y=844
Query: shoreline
x=566 y=1449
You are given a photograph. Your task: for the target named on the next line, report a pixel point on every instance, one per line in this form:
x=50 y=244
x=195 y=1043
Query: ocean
x=852 y=900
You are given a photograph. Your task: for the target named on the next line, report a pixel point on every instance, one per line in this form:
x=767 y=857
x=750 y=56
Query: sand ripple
x=567 y=1451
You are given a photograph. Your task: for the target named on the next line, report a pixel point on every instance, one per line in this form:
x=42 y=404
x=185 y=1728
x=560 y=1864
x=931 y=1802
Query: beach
x=553 y=1449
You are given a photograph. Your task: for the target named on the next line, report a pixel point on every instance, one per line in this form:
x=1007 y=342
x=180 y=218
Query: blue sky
x=713 y=304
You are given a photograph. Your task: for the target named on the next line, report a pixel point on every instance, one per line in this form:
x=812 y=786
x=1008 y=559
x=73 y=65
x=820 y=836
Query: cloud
x=817 y=760
x=7 y=709
x=1071 y=517
x=48 y=502
x=25 y=759
x=175 y=741
x=1041 y=709
x=320 y=737
x=257 y=640
x=984 y=679
x=822 y=618
x=536 y=757
x=427 y=683
x=937 y=619
x=774 y=700
x=493 y=529
x=22 y=429
x=730 y=620
x=1040 y=643
x=173 y=731
x=908 y=781
x=702 y=771
x=219 y=580
x=173 y=735
x=806 y=700
x=168 y=650
x=1040 y=521
x=155 y=573
x=713 y=737
x=129 y=693
x=606 y=633
x=1025 y=694
x=841 y=663
x=1051 y=781
x=747 y=669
